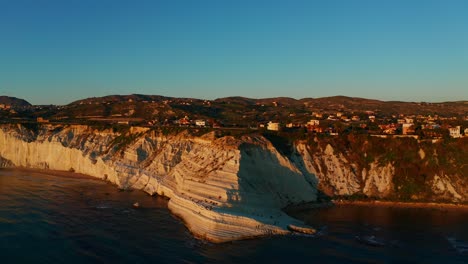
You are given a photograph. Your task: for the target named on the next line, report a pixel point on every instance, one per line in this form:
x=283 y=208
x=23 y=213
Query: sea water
x=50 y=219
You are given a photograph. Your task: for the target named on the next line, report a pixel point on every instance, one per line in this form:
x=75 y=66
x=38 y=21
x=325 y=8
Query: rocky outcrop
x=340 y=174
x=4 y=163
x=442 y=185
x=378 y=180
x=337 y=171
x=223 y=188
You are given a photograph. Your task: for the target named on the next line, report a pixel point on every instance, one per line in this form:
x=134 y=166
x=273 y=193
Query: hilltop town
x=328 y=116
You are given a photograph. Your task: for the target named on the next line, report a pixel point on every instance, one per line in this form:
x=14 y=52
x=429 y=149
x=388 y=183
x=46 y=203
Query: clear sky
x=57 y=51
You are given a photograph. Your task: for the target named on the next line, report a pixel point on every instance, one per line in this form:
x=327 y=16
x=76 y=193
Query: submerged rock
x=370 y=241
x=302 y=229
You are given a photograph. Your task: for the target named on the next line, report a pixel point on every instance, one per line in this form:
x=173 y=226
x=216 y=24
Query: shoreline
x=297 y=208
x=400 y=204
x=56 y=173
x=290 y=208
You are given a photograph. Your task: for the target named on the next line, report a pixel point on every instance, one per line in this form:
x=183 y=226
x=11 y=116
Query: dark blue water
x=48 y=219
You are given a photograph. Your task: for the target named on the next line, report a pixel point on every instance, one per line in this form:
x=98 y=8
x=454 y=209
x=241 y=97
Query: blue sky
x=57 y=51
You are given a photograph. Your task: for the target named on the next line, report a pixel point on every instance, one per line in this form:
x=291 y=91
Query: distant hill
x=236 y=100
x=286 y=101
x=235 y=110
x=333 y=103
x=356 y=104
x=121 y=98
x=14 y=102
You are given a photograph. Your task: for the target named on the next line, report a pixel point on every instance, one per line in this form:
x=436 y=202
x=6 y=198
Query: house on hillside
x=313 y=126
x=407 y=129
x=184 y=121
x=293 y=125
x=317 y=115
x=313 y=122
x=389 y=129
x=200 y=123
x=274 y=126
x=455 y=132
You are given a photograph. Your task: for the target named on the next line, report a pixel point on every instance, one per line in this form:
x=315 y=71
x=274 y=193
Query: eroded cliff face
x=340 y=173
x=338 y=176
x=223 y=188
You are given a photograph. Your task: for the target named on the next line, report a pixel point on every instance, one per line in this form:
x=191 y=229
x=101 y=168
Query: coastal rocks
x=302 y=229
x=370 y=241
x=443 y=186
x=421 y=153
x=378 y=180
x=335 y=174
x=4 y=163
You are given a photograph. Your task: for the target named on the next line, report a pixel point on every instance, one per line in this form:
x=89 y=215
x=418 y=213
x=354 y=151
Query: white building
x=200 y=123
x=317 y=115
x=407 y=128
x=273 y=126
x=455 y=132
x=313 y=122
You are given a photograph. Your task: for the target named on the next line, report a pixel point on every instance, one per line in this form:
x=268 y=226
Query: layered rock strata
x=223 y=188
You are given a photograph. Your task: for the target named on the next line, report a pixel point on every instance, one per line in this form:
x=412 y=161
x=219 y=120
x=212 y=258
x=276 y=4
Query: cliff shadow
x=286 y=147
x=267 y=183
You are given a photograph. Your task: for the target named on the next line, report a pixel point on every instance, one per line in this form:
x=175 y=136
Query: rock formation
x=223 y=188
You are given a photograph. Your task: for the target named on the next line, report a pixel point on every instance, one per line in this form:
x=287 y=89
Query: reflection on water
x=47 y=219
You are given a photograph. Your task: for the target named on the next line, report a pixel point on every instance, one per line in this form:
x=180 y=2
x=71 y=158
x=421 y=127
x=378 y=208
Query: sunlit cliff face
x=223 y=189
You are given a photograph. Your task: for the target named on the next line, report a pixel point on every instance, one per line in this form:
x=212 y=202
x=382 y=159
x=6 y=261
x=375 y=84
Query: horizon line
x=245 y=97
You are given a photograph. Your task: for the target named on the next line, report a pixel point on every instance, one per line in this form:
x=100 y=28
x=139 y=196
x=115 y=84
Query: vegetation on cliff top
x=415 y=162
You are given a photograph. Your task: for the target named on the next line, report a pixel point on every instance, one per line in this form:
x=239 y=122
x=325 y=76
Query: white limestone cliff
x=223 y=189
